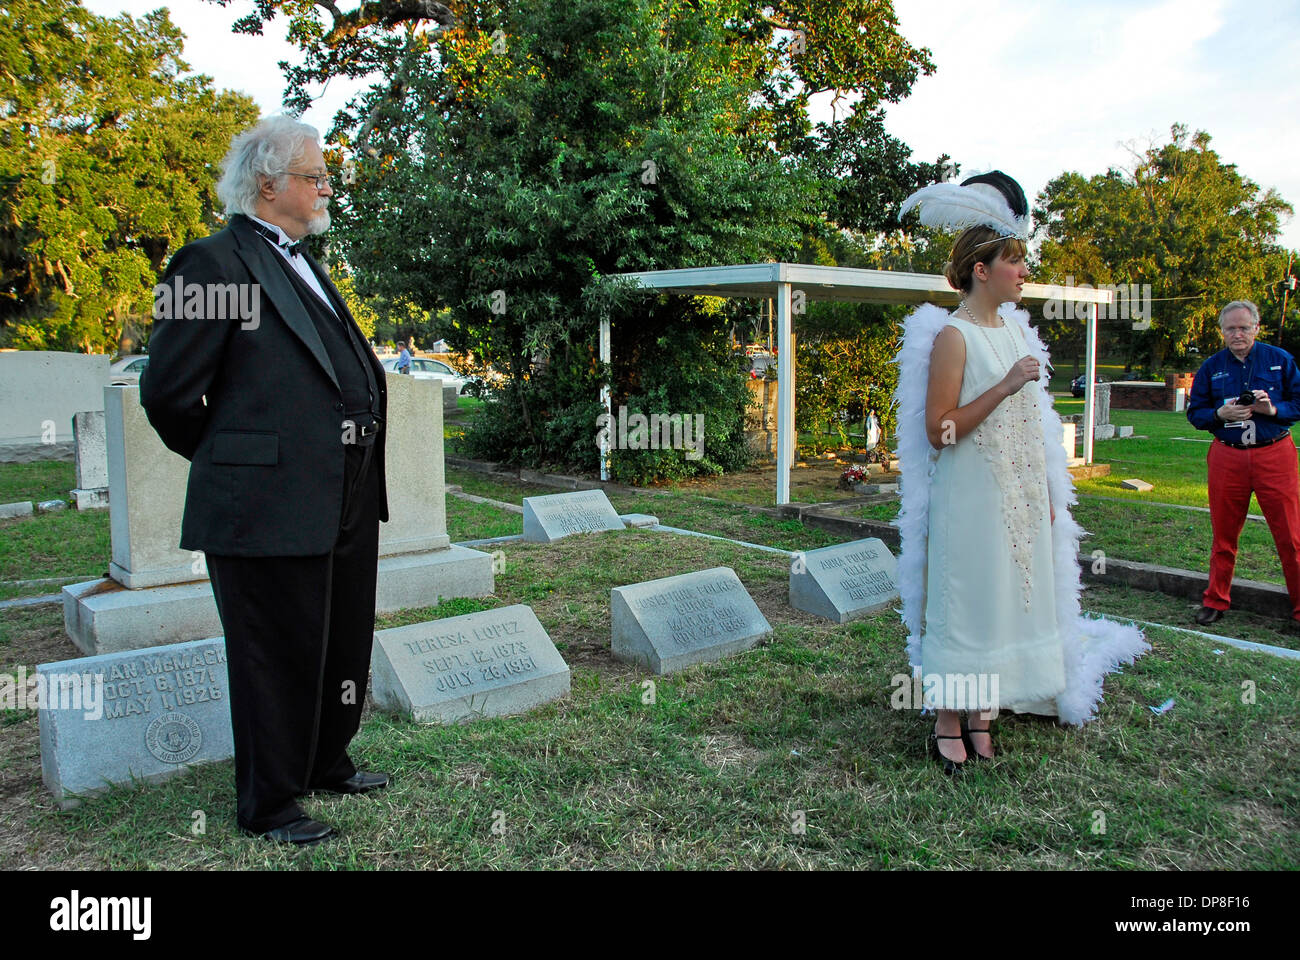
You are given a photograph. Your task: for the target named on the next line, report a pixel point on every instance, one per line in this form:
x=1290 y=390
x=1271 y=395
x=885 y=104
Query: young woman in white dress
x=977 y=368
x=989 y=577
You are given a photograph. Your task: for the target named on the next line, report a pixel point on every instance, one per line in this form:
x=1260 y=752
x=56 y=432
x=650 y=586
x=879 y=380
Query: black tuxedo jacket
x=267 y=449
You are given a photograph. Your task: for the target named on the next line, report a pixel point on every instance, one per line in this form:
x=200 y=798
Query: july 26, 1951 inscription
x=482 y=664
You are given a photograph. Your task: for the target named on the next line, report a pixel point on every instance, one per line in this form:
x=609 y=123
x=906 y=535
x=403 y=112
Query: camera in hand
x=1247 y=398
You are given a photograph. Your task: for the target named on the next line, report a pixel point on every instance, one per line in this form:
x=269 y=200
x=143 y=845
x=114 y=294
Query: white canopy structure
x=797 y=283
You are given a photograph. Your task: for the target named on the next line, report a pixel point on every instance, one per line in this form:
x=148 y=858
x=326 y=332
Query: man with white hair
x=1252 y=450
x=280 y=411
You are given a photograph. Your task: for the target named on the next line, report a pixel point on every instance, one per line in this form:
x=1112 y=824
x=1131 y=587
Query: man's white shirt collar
x=285 y=239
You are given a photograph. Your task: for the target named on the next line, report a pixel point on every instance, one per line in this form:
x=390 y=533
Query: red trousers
x=1271 y=473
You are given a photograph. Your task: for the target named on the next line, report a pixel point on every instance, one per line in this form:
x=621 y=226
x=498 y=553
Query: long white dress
x=990 y=610
x=989 y=585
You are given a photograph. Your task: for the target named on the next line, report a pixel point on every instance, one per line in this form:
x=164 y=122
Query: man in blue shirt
x=403 y=358
x=1252 y=449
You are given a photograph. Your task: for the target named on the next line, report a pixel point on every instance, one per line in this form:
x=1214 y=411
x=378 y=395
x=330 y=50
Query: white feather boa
x=1093 y=647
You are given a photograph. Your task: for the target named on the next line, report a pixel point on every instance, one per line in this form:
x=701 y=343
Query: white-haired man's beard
x=321 y=223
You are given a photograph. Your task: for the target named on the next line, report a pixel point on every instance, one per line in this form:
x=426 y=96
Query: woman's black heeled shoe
x=971 y=752
x=950 y=767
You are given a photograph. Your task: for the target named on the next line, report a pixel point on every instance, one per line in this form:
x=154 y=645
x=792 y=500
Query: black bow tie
x=292 y=249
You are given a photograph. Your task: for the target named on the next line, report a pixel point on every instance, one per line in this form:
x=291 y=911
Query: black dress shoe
x=1207 y=615
x=952 y=768
x=302 y=831
x=359 y=782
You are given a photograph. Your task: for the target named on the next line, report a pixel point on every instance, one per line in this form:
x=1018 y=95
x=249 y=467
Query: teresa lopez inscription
x=481 y=664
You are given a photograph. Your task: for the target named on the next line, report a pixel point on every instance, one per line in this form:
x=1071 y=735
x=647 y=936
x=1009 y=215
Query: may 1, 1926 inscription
x=668 y=624
x=486 y=664
x=844 y=582
x=132 y=715
x=563 y=514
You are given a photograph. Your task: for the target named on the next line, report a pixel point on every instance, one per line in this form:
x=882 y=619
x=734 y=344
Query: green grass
x=672 y=508
x=1148 y=533
x=68 y=543
x=42 y=480
x=1175 y=467
x=717 y=769
x=1121 y=600
x=478 y=521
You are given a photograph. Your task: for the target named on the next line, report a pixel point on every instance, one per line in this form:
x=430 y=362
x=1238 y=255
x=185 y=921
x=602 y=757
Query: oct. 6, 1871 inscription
x=668 y=624
x=491 y=663
x=133 y=715
x=844 y=582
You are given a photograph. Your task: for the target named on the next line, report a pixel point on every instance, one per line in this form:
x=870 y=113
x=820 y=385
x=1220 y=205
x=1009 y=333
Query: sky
x=1030 y=87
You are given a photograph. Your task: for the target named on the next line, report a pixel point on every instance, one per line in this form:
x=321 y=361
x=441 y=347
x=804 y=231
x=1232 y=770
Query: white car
x=423 y=368
x=126 y=371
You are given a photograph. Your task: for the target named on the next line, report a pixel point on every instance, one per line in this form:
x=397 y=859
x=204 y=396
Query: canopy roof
x=834 y=283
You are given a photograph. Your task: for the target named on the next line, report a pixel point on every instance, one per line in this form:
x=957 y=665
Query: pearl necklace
x=963 y=306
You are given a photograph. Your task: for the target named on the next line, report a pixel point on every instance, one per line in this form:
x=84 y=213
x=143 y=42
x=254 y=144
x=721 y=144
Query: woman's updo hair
x=978 y=245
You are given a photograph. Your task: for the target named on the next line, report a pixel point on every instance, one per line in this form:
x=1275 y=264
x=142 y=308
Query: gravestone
x=558 y=515
x=1100 y=404
x=668 y=624
x=413 y=468
x=148 y=482
x=91 y=442
x=157 y=593
x=488 y=664
x=157 y=713
x=1135 y=484
x=844 y=582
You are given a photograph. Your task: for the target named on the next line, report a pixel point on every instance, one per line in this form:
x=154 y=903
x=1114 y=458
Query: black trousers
x=298 y=637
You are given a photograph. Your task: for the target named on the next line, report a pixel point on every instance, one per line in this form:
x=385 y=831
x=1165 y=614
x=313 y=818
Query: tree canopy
x=108 y=159
x=1196 y=229
x=511 y=158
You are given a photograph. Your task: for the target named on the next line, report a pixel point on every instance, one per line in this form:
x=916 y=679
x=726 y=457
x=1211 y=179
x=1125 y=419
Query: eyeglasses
x=319 y=179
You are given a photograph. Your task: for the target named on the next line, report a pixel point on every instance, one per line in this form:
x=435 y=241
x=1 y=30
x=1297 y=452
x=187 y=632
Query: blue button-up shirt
x=1222 y=378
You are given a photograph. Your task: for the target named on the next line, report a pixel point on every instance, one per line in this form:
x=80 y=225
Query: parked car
x=423 y=368
x=1078 y=383
x=126 y=371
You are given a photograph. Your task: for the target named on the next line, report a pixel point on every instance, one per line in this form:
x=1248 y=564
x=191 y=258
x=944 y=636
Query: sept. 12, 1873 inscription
x=665 y=625
x=487 y=664
x=844 y=582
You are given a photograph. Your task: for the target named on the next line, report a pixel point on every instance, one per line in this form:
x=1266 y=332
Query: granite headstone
x=844 y=582
x=138 y=715
x=487 y=664
x=557 y=515
x=668 y=624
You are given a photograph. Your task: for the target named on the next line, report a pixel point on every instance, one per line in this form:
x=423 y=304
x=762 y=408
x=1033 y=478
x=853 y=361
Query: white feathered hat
x=988 y=199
